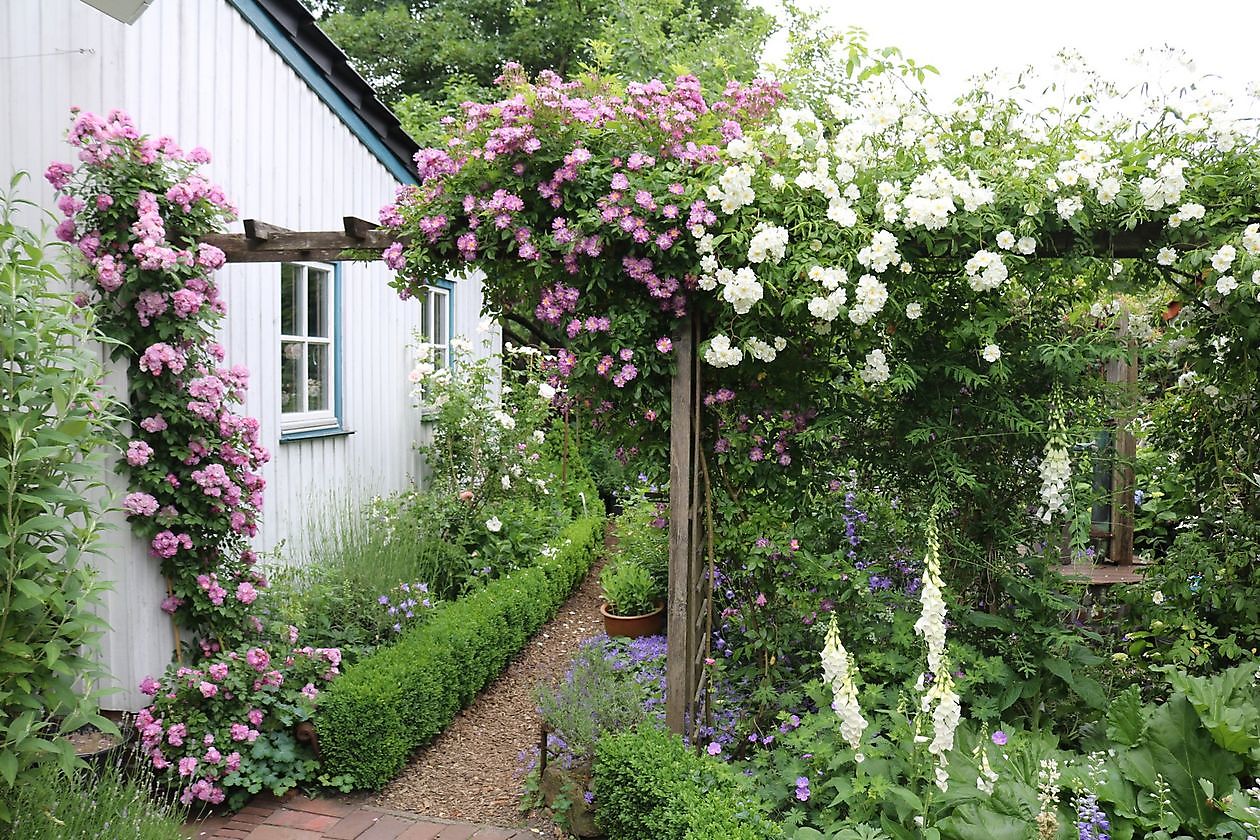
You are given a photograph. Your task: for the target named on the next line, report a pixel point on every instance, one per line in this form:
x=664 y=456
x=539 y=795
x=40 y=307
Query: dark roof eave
x=346 y=92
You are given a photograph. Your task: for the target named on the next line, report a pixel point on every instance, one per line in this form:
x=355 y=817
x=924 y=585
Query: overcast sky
x=964 y=37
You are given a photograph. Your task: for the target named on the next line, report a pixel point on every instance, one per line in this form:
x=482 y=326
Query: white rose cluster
x=986 y=271
x=868 y=299
x=991 y=353
x=769 y=243
x=741 y=289
x=721 y=354
x=733 y=189
x=875 y=371
x=764 y=351
x=1164 y=188
x=934 y=195
x=881 y=253
x=1251 y=240
x=1187 y=213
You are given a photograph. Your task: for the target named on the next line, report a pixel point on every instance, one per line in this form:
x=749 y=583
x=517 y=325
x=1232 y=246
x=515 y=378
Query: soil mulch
x=474 y=770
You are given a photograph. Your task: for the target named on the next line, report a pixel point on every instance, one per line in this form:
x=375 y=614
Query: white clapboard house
x=298 y=140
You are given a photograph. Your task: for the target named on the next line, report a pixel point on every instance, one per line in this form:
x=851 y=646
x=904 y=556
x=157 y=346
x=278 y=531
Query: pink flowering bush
x=136 y=207
x=224 y=730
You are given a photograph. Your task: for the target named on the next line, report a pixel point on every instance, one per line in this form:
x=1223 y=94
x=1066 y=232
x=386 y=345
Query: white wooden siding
x=197 y=71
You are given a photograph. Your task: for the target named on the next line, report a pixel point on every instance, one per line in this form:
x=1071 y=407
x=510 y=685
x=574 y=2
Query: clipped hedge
x=648 y=783
x=384 y=706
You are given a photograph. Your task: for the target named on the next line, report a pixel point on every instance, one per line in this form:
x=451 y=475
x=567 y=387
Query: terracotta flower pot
x=633 y=626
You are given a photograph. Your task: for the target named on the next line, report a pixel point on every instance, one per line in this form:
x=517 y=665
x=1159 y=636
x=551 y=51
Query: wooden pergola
x=691 y=561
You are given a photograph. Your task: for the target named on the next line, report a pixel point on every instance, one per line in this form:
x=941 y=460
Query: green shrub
x=401 y=696
x=94 y=806
x=629 y=588
x=57 y=428
x=648 y=783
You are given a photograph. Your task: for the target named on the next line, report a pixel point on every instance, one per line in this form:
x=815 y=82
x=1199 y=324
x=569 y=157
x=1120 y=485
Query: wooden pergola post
x=688 y=584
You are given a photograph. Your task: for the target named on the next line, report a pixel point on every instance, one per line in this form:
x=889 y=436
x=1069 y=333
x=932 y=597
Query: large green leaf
x=1228 y=706
x=1180 y=751
x=1126 y=717
x=971 y=822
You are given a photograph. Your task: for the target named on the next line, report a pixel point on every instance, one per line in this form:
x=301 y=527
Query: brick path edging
x=338 y=818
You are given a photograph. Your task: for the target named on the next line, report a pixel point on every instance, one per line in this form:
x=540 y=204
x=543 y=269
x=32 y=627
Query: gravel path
x=473 y=770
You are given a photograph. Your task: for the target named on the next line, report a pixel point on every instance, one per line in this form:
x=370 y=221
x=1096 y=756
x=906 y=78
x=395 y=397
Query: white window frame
x=437 y=304
x=306 y=420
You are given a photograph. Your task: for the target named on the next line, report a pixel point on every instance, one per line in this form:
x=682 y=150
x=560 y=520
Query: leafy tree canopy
x=427 y=56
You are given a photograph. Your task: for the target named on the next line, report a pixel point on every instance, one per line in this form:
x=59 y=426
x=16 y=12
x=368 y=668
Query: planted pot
x=633 y=626
x=98 y=747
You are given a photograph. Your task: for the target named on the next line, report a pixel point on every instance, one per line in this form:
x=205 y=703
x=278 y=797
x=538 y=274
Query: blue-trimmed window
x=310 y=349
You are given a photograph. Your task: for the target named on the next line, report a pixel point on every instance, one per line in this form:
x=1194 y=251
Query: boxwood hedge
x=648 y=783
x=384 y=706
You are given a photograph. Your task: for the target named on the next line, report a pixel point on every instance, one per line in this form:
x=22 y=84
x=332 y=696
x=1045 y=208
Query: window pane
x=290 y=277
x=318 y=378
x=425 y=306
x=439 y=317
x=318 y=291
x=290 y=373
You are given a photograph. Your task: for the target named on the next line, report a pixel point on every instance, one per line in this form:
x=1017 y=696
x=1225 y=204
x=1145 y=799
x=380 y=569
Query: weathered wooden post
x=688 y=584
x=1123 y=372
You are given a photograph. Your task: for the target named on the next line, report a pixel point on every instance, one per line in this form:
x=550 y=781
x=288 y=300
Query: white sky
x=964 y=37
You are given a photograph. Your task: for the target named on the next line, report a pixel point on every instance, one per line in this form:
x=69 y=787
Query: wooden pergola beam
x=264 y=242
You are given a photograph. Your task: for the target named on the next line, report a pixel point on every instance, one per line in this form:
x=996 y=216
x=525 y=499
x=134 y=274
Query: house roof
x=292 y=32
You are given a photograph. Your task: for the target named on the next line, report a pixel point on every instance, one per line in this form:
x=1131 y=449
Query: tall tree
x=426 y=56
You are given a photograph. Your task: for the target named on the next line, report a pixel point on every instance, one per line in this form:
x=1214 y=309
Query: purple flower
x=999 y=738
x=714 y=748
x=802 y=788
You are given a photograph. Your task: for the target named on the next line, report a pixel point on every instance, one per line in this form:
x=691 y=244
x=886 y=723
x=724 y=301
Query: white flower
x=768 y=243
x=546 y=391
x=733 y=189
x=1006 y=240
x=505 y=481
x=721 y=354
x=777 y=181
x=1108 y=189
x=421 y=372
x=493 y=525
x=743 y=290
x=875 y=370
x=985 y=271
x=1166 y=256
x=976 y=138
x=505 y=420
x=840 y=673
x=461 y=345
x=540 y=435
x=1224 y=258
x=869 y=298
x=1225 y=284
x=1056 y=472
x=1068 y=207
x=780 y=343
x=840 y=212
x=1251 y=240
x=1157 y=597
x=991 y=353
x=1026 y=245
x=914 y=311
x=881 y=253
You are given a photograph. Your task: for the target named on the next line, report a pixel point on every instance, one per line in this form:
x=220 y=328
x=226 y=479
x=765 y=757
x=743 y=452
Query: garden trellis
x=690 y=619
x=645 y=197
